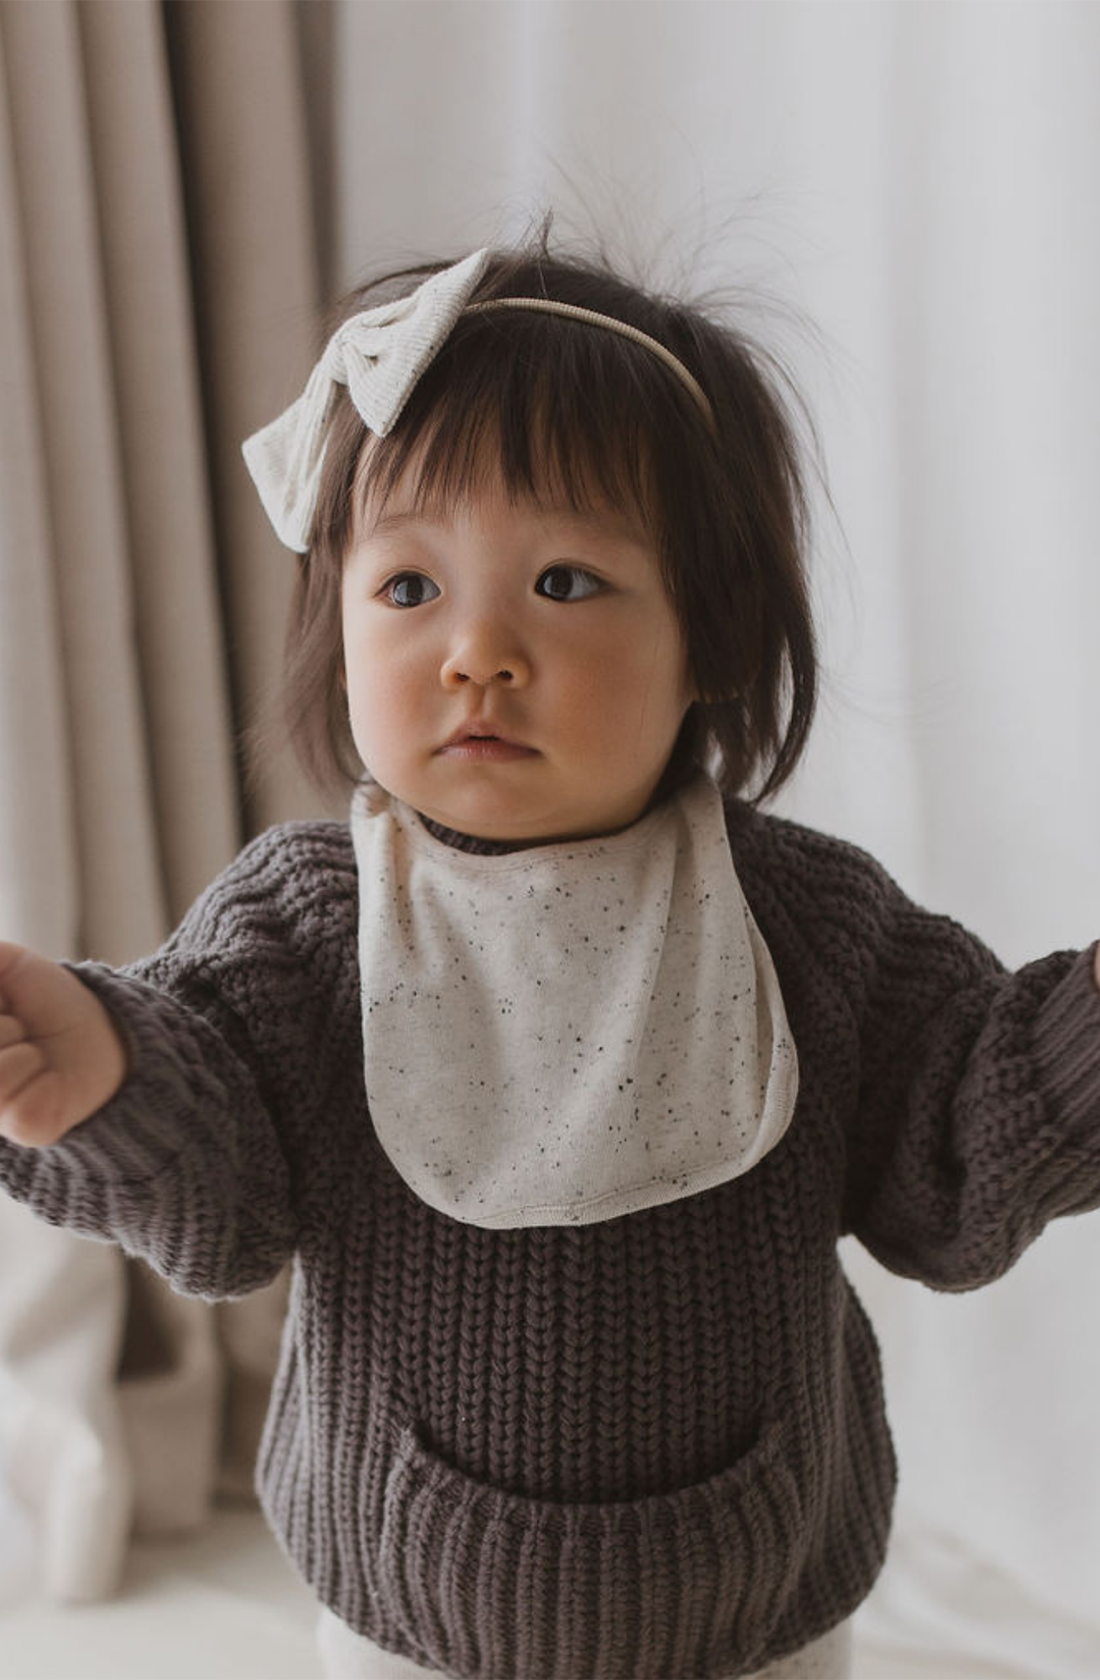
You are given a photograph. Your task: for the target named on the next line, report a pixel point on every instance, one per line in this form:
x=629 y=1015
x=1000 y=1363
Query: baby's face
x=513 y=672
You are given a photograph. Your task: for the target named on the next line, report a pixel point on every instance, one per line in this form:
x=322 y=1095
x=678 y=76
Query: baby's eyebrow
x=601 y=521
x=591 y=521
x=395 y=519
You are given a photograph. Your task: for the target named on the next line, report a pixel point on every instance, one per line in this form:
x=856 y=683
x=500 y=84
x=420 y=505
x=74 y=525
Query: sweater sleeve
x=977 y=1111
x=196 y=1163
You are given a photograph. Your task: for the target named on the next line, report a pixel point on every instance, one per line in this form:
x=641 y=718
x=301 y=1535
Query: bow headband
x=379 y=354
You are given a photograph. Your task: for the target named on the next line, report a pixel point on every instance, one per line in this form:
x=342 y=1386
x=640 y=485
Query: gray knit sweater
x=649 y=1447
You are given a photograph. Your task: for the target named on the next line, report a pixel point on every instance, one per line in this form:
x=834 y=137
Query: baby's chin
x=493 y=807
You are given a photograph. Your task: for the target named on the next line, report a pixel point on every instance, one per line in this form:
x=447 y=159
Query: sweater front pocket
x=490 y=1585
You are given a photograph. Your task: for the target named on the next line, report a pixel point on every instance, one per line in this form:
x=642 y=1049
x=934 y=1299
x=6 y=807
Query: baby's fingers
x=30 y=1096
x=11 y=1029
x=19 y=1061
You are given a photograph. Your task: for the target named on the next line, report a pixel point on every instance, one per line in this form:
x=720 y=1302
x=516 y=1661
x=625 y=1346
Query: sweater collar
x=468 y=842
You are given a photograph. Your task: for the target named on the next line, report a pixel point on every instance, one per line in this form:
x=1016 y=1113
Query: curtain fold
x=171 y=552
x=120 y=907
x=38 y=868
x=158 y=299
x=243 y=136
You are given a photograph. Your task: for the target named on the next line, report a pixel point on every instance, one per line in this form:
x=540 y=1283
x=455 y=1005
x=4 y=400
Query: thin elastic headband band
x=548 y=306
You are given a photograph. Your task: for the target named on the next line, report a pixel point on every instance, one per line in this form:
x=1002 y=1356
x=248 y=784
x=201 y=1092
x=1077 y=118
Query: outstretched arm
x=135 y=1114
x=199 y=1107
x=979 y=1110
x=189 y=1107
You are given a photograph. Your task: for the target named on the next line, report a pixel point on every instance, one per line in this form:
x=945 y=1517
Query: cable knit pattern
x=651 y=1448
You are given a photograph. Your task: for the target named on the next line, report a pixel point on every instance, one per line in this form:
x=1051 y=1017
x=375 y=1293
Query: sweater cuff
x=135 y=1134
x=1067 y=1040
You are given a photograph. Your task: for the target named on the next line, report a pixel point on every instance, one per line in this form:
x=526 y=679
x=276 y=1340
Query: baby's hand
x=60 y=1056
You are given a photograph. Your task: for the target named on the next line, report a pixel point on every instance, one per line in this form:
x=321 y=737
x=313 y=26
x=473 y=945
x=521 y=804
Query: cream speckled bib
x=569 y=1032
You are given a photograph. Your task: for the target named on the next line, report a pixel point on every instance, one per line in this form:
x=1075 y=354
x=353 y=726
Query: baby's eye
x=410 y=589
x=567 y=583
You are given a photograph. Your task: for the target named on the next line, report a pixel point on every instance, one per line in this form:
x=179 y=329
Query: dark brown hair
x=555 y=407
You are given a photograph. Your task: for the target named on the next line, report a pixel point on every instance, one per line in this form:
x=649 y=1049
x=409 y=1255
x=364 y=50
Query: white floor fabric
x=222 y=1606
x=226 y=1606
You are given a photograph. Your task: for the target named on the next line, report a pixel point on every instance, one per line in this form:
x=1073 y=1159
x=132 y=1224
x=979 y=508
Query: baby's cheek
x=584 y=688
x=369 y=712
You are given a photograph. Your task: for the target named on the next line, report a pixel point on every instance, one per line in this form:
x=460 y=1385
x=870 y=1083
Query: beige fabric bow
x=379 y=355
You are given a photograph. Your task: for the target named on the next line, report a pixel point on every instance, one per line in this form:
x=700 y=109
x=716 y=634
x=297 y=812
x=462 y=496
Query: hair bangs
x=554 y=422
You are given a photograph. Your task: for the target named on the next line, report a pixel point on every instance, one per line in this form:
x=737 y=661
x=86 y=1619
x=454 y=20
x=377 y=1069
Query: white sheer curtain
x=922 y=181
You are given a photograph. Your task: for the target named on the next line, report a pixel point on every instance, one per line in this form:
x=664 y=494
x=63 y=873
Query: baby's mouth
x=477 y=743
x=472 y=732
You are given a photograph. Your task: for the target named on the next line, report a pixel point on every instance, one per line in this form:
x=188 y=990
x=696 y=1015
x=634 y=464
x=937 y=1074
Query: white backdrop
x=922 y=181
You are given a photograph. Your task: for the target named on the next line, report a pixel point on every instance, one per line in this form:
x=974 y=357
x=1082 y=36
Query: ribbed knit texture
x=652 y=1448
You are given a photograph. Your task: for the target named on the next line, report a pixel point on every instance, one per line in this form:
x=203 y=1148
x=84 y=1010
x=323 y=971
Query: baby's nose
x=485 y=655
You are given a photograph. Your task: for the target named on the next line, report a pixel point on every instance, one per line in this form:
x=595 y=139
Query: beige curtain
x=159 y=285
